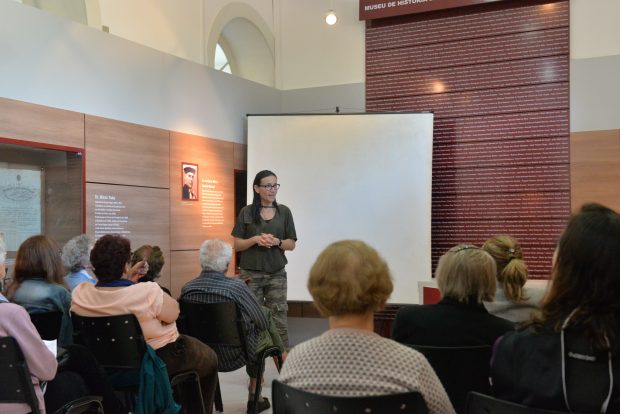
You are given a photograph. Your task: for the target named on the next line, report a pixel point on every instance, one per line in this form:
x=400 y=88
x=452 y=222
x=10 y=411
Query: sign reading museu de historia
x=377 y=9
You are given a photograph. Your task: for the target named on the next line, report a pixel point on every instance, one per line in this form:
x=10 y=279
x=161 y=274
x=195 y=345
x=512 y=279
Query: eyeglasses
x=270 y=187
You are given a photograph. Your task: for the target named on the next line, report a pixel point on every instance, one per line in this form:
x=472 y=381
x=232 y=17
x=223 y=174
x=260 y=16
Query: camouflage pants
x=270 y=290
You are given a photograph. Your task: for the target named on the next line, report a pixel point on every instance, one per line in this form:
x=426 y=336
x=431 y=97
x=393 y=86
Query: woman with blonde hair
x=513 y=299
x=466 y=277
x=349 y=282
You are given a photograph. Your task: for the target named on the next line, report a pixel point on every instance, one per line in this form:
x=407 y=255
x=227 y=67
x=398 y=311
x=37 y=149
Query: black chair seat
x=47 y=324
x=15 y=381
x=460 y=370
x=289 y=400
x=221 y=325
x=118 y=345
x=90 y=404
x=478 y=403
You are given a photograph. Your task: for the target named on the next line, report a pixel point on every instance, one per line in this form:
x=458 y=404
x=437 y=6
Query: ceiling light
x=331 y=18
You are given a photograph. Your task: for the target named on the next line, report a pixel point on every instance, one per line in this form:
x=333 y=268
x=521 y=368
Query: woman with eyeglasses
x=466 y=277
x=263 y=232
x=568 y=358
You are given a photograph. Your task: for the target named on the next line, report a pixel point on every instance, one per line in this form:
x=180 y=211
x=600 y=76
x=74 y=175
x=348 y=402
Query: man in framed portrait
x=189 y=174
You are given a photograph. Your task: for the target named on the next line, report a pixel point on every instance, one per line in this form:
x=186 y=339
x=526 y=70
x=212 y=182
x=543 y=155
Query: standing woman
x=263 y=232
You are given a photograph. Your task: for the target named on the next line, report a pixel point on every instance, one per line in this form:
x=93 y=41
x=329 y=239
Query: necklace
x=267 y=206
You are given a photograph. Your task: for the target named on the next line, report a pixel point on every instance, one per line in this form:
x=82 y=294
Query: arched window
x=221 y=60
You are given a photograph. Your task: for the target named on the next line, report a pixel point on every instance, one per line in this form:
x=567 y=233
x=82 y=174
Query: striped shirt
x=215 y=287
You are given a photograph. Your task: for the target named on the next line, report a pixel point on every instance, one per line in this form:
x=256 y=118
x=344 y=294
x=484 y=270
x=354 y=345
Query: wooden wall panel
x=185 y=266
x=455 y=25
x=240 y=157
x=483 y=76
x=595 y=168
x=41 y=124
x=212 y=215
x=127 y=154
x=138 y=213
x=496 y=78
x=469 y=52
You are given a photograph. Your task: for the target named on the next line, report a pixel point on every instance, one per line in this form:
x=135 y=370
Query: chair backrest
x=15 y=381
x=460 y=369
x=289 y=400
x=116 y=341
x=47 y=324
x=216 y=324
x=478 y=403
x=90 y=404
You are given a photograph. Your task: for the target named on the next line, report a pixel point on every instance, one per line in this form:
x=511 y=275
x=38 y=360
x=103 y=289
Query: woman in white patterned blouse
x=349 y=282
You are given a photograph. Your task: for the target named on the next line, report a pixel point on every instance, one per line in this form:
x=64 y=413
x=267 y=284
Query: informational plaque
x=212 y=203
x=110 y=216
x=20 y=204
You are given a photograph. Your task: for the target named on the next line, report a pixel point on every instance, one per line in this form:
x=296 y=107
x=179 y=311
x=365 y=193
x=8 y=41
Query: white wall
x=168 y=25
x=52 y=61
x=594 y=28
x=313 y=54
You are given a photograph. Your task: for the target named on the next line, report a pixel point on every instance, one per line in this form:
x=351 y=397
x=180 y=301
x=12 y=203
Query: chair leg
x=219 y=406
x=259 y=383
x=179 y=384
x=277 y=359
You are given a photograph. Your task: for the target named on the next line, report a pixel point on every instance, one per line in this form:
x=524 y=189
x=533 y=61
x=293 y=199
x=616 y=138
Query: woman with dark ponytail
x=263 y=232
x=513 y=300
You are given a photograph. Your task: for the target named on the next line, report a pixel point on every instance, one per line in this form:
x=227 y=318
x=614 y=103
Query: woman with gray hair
x=75 y=256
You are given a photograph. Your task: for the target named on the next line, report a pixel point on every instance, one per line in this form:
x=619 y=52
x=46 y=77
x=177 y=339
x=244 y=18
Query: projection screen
x=351 y=176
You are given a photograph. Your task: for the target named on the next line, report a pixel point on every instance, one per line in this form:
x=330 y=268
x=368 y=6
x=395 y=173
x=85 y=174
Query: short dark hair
x=109 y=256
x=189 y=169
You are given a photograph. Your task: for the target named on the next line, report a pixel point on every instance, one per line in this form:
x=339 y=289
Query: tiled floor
x=234 y=384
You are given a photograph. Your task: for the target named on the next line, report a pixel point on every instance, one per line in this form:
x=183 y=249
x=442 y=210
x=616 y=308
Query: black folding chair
x=118 y=345
x=85 y=405
x=221 y=325
x=460 y=370
x=478 y=403
x=15 y=382
x=47 y=324
x=289 y=400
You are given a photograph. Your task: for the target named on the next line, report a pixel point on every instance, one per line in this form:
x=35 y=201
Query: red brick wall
x=496 y=77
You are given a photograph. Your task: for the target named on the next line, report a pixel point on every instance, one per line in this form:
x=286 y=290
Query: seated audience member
x=513 y=299
x=349 y=282
x=77 y=376
x=466 y=277
x=38 y=282
x=567 y=359
x=154 y=259
x=115 y=294
x=75 y=256
x=213 y=286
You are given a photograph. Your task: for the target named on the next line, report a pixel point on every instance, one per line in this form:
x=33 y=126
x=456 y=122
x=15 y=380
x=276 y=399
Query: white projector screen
x=351 y=176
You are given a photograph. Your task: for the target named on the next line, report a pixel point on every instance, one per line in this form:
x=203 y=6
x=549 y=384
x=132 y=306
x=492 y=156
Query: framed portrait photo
x=189 y=181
